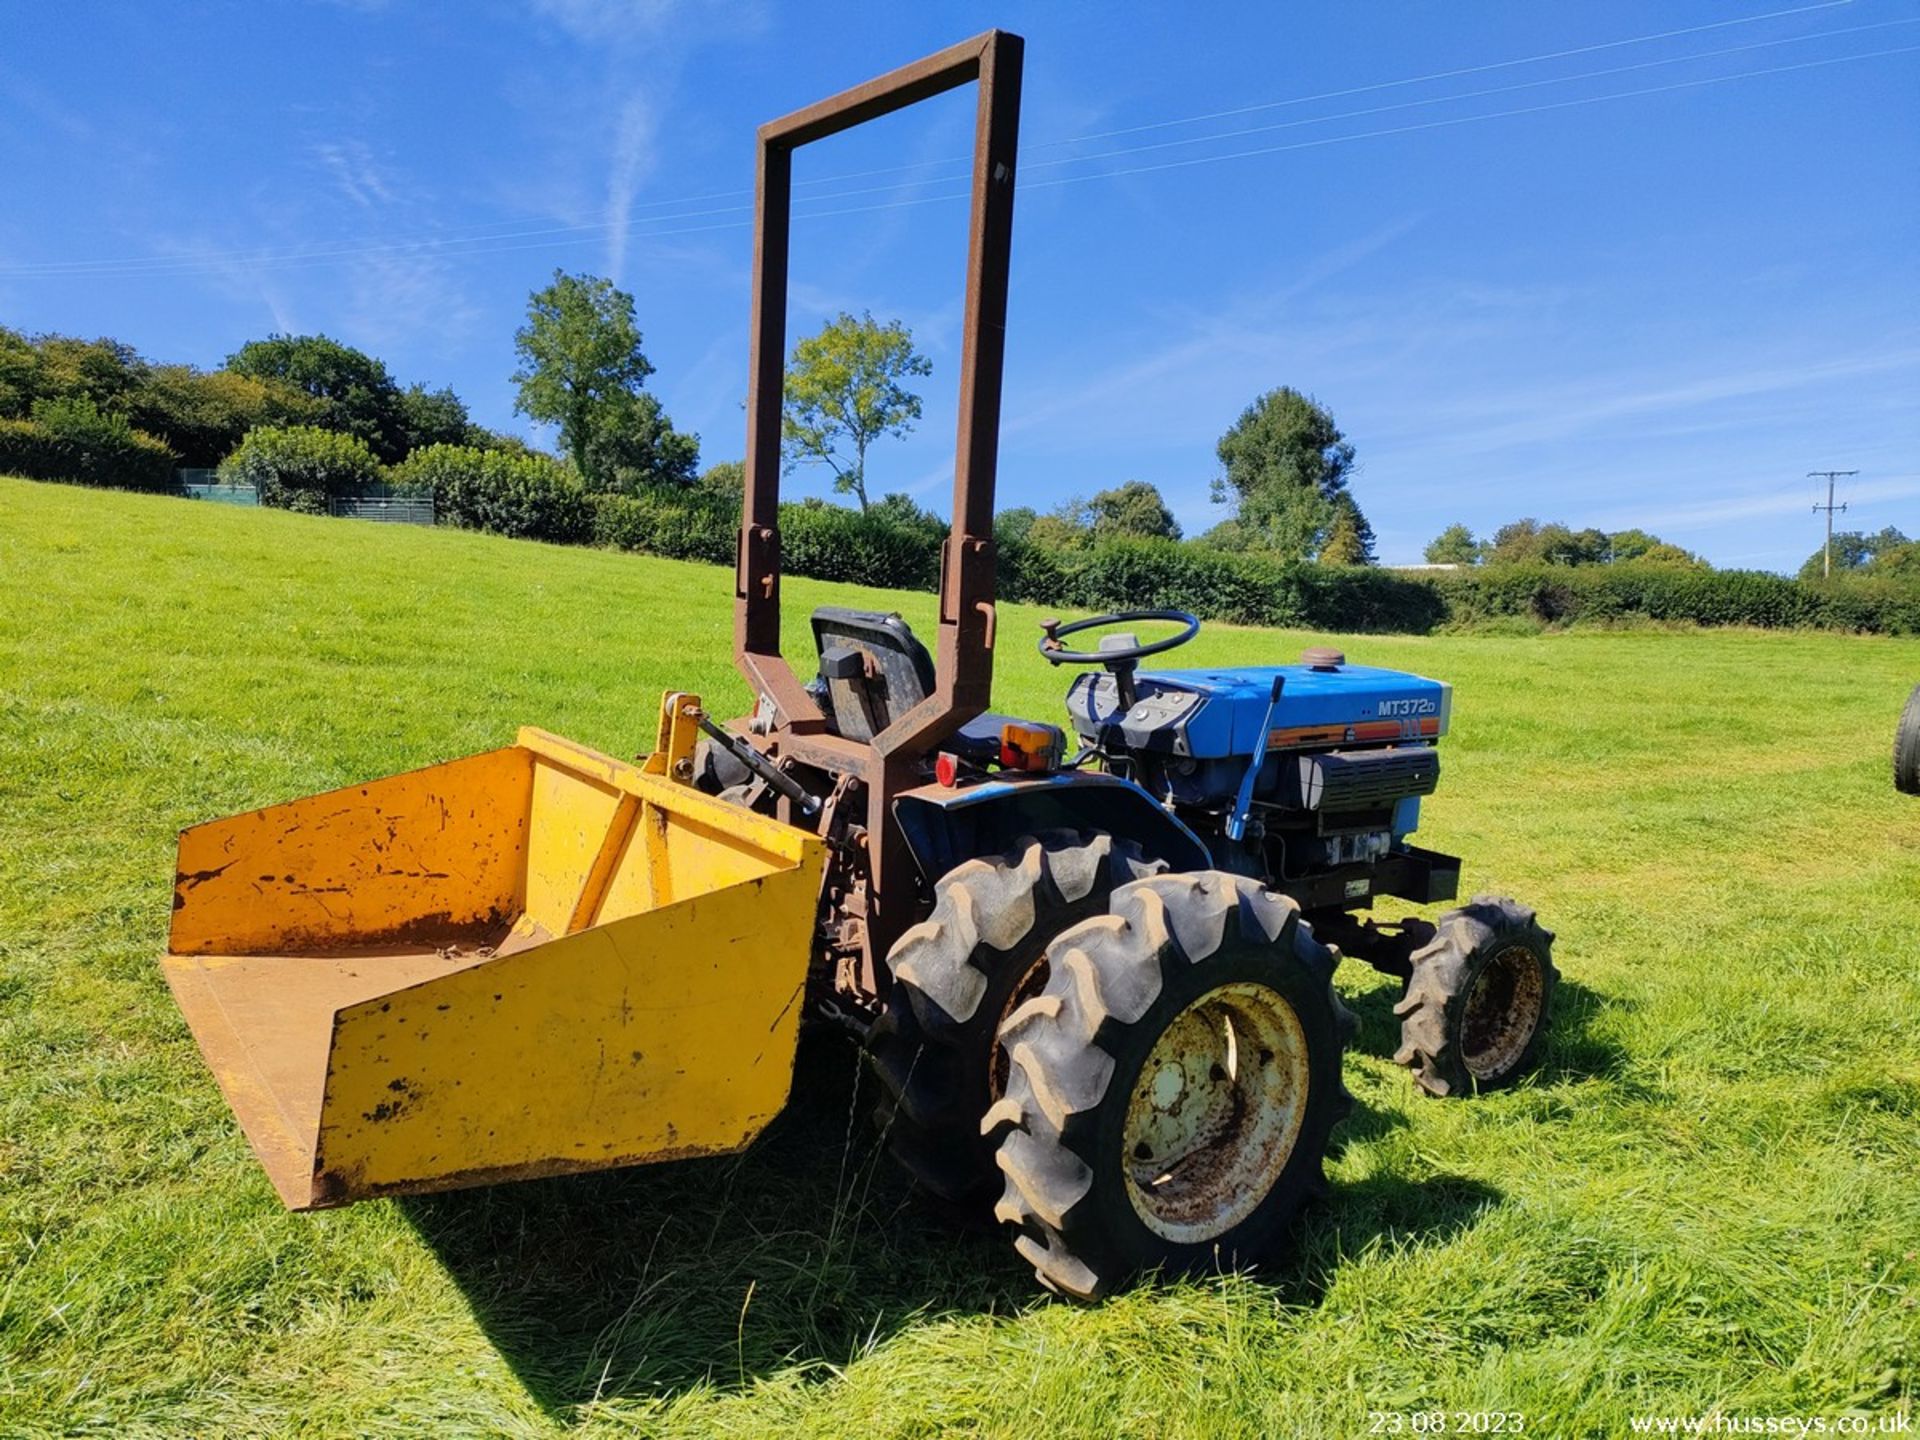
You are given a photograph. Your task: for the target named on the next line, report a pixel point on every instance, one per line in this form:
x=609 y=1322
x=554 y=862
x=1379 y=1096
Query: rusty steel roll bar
x=789 y=724
x=964 y=648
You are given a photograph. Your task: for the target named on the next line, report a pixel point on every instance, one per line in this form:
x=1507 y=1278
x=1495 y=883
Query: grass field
x=1708 y=1199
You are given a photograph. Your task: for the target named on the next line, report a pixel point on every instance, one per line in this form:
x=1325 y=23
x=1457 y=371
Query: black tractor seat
x=873 y=670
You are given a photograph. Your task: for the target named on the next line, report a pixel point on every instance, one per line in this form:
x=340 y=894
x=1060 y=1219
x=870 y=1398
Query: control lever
x=783 y=783
x=1243 y=801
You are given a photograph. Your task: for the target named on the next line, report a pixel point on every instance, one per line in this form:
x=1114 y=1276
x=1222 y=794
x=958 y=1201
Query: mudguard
x=946 y=824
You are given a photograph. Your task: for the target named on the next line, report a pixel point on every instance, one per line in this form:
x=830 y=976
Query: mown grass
x=1707 y=1198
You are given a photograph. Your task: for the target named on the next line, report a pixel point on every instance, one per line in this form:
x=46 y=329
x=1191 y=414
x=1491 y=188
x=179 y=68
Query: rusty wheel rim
x=1215 y=1113
x=1502 y=1013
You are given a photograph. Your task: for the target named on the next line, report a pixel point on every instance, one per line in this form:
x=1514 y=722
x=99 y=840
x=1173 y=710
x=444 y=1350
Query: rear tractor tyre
x=1172 y=1088
x=1906 y=747
x=956 y=976
x=1477 y=1006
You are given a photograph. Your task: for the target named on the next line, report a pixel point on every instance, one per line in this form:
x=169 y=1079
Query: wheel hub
x=1216 y=1112
x=1502 y=1012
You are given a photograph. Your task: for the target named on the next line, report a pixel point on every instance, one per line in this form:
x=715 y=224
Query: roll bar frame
x=787 y=720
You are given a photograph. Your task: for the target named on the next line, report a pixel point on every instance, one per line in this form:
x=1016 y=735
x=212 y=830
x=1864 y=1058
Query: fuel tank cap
x=1322 y=657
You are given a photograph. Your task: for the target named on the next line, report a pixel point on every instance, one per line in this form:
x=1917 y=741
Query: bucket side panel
x=662 y=1035
x=572 y=815
x=673 y=853
x=430 y=856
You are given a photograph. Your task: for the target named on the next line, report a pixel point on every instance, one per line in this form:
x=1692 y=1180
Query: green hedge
x=694 y=526
x=1560 y=595
x=110 y=454
x=1239 y=588
x=825 y=542
x=301 y=467
x=527 y=496
x=829 y=542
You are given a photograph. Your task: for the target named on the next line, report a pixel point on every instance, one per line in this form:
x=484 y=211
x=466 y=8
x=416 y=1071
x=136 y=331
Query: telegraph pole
x=1826 y=554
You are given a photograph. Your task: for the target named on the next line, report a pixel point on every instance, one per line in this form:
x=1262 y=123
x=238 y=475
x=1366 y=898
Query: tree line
x=306 y=418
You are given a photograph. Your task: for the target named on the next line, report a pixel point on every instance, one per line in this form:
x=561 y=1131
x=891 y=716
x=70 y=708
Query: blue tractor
x=1092 y=964
x=1112 y=1026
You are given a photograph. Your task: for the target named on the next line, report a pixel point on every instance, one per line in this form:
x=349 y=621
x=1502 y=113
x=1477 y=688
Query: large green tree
x=1135 y=508
x=582 y=369
x=432 y=417
x=205 y=415
x=358 y=395
x=1454 y=545
x=1855 y=550
x=634 y=448
x=1284 y=467
x=846 y=388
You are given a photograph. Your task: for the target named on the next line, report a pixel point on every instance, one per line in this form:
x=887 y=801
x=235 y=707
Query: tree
x=901 y=509
x=1518 y=542
x=1855 y=550
x=1013 y=527
x=358 y=396
x=634 y=448
x=1661 y=552
x=1134 y=508
x=19 y=374
x=727 y=478
x=845 y=389
x=1630 y=544
x=1454 y=545
x=582 y=369
x=203 y=415
x=102 y=371
x=1899 y=562
x=1349 y=538
x=1284 y=465
x=432 y=417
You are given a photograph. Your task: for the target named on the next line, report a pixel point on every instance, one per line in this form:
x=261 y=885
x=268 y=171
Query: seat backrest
x=873 y=669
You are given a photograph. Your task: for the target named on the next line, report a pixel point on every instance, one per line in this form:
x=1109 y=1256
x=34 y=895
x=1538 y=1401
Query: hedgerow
x=301 y=467
x=73 y=441
x=526 y=496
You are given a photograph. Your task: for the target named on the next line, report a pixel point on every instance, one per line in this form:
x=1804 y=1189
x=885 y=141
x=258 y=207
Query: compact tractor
x=1092 y=963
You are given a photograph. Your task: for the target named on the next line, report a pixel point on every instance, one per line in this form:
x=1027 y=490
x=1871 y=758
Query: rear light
x=1026 y=747
x=946 y=767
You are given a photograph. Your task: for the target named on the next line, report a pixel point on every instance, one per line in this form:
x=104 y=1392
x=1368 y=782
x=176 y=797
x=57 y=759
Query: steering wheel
x=1055 y=654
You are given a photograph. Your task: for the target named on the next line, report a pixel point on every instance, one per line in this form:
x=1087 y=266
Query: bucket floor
x=265 y=1023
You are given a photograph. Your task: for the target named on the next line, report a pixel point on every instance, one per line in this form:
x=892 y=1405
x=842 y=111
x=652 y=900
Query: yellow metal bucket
x=535 y=960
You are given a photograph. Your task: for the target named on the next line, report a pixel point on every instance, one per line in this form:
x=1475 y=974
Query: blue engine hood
x=1211 y=714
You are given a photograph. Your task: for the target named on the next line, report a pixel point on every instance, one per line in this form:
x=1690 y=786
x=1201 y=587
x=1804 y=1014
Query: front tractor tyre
x=1478 y=1002
x=956 y=976
x=1906 y=747
x=1171 y=1090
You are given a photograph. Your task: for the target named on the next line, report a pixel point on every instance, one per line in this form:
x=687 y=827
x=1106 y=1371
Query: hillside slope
x=1706 y=1197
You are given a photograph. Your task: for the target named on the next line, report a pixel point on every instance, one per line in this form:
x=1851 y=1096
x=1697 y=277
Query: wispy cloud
x=607 y=19
x=354 y=171
x=631 y=160
x=1697 y=515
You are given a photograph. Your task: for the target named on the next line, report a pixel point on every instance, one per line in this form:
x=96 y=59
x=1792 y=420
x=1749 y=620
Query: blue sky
x=1623 y=264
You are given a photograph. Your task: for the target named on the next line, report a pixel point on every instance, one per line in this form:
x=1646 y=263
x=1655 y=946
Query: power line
x=1464 y=70
x=1477 y=94
x=188 y=264
x=1826 y=553
x=1474 y=119
x=162 y=263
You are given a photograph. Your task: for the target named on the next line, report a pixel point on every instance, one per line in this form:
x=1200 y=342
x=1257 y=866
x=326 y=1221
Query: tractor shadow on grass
x=1574 y=1051
x=800 y=1254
